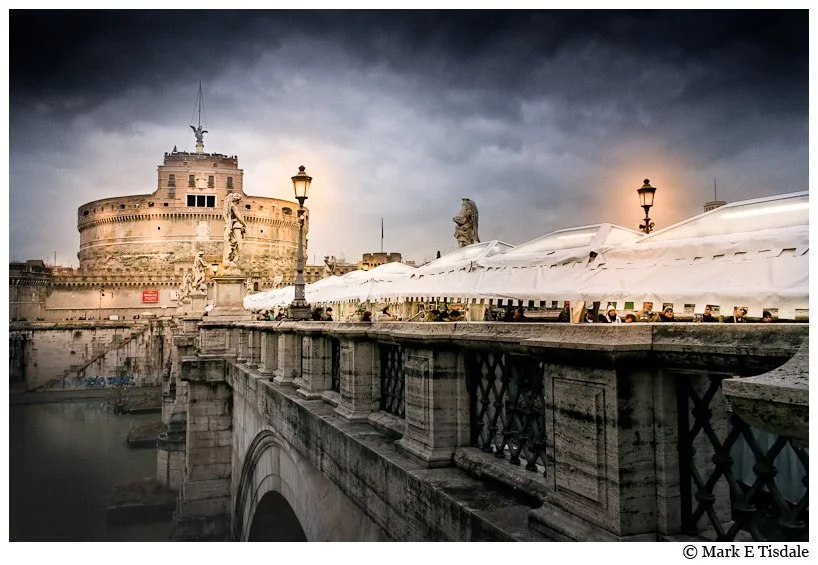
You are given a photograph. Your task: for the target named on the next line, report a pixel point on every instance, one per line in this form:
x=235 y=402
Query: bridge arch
x=276 y=479
x=275 y=520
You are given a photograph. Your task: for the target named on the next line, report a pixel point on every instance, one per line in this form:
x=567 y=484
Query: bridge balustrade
x=623 y=430
x=728 y=470
x=335 y=345
x=507 y=406
x=392 y=380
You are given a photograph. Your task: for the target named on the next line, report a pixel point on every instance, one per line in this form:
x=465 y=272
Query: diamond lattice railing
x=760 y=508
x=392 y=380
x=507 y=401
x=335 y=346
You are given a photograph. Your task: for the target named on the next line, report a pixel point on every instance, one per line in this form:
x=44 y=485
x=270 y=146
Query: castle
x=135 y=250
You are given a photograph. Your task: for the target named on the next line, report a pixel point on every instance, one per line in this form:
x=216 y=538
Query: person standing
x=666 y=315
x=519 y=315
x=708 y=315
x=647 y=314
x=611 y=317
x=565 y=313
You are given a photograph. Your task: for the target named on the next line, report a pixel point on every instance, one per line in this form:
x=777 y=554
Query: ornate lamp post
x=299 y=309
x=646 y=194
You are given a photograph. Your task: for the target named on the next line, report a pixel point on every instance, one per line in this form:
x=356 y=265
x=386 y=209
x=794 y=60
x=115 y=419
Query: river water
x=66 y=460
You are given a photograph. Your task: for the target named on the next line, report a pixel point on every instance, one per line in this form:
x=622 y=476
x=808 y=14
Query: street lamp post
x=646 y=194
x=299 y=309
x=99 y=310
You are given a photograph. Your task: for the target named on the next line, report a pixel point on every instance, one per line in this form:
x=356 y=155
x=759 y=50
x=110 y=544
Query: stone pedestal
x=436 y=403
x=289 y=358
x=315 y=375
x=193 y=304
x=197 y=303
x=601 y=464
x=269 y=354
x=228 y=298
x=357 y=398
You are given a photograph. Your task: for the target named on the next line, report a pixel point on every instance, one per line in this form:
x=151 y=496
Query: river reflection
x=66 y=460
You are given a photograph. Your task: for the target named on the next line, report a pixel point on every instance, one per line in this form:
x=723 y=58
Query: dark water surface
x=65 y=461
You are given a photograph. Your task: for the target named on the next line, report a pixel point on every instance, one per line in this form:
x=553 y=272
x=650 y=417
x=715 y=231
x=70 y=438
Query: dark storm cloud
x=416 y=109
x=59 y=53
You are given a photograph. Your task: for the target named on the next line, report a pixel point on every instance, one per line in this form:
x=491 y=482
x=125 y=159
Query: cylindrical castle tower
x=160 y=233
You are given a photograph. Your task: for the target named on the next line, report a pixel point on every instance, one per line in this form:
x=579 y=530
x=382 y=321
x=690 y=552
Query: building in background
x=135 y=250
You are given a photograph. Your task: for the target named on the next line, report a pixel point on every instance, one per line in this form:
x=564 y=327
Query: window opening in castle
x=201 y=200
x=191 y=180
x=171 y=180
x=229 y=183
x=211 y=182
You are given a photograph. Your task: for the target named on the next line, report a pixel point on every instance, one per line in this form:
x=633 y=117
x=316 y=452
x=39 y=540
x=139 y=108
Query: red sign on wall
x=150 y=296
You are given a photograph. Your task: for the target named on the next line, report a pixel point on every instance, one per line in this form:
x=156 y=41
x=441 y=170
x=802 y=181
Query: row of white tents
x=751 y=254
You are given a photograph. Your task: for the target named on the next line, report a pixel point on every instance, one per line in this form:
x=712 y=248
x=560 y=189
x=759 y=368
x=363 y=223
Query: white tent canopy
x=752 y=253
x=356 y=285
x=450 y=275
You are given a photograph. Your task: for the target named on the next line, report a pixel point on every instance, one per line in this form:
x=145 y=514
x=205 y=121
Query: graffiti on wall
x=85 y=383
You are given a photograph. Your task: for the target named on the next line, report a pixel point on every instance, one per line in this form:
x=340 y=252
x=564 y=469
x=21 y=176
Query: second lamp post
x=299 y=309
x=646 y=194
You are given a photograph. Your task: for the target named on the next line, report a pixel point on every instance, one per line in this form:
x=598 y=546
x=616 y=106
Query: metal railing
x=757 y=505
x=507 y=402
x=392 y=380
x=335 y=345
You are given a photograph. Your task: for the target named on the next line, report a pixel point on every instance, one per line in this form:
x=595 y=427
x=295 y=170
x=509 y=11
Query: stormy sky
x=546 y=119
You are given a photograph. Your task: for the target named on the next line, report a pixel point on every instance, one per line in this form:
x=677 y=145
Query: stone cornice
x=745 y=349
x=182 y=215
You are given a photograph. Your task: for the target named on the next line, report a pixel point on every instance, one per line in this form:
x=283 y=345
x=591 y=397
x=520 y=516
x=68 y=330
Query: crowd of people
x=609 y=315
x=648 y=314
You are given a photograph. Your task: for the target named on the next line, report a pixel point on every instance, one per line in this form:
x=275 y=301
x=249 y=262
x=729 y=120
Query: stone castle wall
x=160 y=233
x=164 y=240
x=148 y=242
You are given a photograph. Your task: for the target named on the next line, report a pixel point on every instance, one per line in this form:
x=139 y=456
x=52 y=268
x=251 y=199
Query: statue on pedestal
x=465 y=230
x=199 y=133
x=234 y=229
x=185 y=288
x=199 y=266
x=330 y=264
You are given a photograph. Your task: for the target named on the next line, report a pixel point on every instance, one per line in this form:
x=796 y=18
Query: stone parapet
x=577 y=429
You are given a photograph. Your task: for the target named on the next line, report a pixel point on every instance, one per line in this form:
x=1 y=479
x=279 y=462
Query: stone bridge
x=400 y=431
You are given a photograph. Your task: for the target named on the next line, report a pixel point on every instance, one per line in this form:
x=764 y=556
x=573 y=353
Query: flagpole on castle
x=381 y=235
